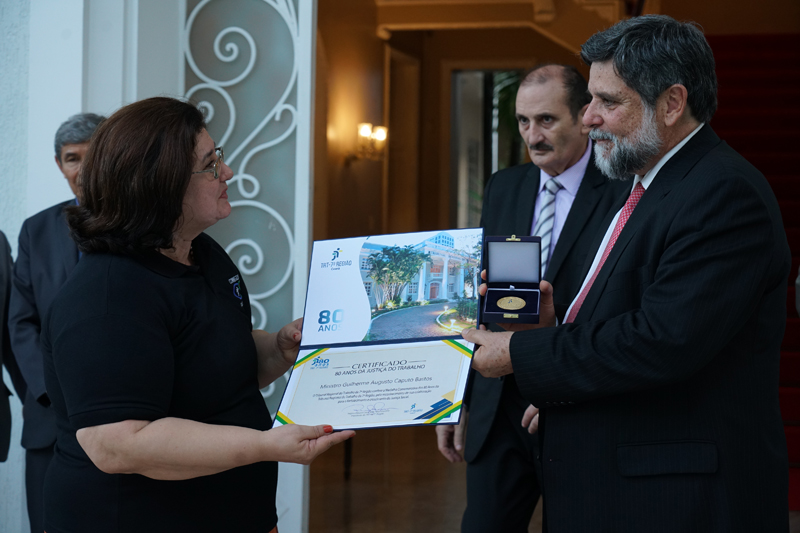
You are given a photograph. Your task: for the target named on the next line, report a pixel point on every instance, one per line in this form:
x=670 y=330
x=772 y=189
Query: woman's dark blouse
x=142 y=339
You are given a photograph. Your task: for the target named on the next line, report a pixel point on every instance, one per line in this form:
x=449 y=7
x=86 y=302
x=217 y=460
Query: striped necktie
x=627 y=209
x=547 y=216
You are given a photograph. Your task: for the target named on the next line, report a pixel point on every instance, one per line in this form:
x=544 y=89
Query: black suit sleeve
x=7 y=356
x=685 y=290
x=25 y=324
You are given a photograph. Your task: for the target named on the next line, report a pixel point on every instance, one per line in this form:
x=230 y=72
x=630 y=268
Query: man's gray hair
x=77 y=129
x=652 y=53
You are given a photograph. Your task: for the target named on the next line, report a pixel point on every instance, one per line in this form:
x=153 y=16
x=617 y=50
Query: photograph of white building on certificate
x=427 y=289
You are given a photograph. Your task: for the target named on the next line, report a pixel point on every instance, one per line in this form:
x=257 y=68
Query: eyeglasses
x=217 y=164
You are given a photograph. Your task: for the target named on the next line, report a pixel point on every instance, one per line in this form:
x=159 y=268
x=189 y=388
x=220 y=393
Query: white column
x=294 y=479
x=445 y=267
x=15 y=43
x=421 y=288
x=105 y=61
x=55 y=92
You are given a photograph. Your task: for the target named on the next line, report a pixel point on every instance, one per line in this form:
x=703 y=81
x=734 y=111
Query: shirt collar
x=571 y=178
x=651 y=174
x=163 y=265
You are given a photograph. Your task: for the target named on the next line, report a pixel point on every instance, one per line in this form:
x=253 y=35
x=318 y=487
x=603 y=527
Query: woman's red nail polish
x=327 y=429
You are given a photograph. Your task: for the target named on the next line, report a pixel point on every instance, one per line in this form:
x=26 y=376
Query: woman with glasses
x=151 y=362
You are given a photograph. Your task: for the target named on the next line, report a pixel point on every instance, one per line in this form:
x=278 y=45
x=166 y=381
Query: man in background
x=45 y=259
x=562 y=197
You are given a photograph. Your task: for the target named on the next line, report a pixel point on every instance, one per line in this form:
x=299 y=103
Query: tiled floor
x=399 y=483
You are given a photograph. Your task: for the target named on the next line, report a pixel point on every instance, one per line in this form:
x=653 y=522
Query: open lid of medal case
x=512 y=267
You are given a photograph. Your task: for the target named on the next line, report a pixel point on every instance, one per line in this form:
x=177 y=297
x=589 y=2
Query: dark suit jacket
x=660 y=403
x=47 y=255
x=508 y=205
x=6 y=357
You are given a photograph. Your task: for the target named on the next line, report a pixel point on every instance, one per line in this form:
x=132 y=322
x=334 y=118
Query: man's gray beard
x=630 y=153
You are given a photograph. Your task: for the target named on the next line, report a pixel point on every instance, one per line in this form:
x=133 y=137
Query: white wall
x=55 y=92
x=14 y=45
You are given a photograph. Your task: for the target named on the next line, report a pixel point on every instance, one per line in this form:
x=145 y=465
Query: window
x=368 y=287
x=452 y=269
x=451 y=287
x=444 y=239
x=436 y=268
x=365 y=263
x=413 y=289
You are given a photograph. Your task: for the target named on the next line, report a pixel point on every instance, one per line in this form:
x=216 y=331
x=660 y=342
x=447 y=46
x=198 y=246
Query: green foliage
x=512 y=149
x=471 y=266
x=466 y=308
x=392 y=268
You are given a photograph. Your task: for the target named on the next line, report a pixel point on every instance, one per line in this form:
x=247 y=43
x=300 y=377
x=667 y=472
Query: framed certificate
x=381 y=336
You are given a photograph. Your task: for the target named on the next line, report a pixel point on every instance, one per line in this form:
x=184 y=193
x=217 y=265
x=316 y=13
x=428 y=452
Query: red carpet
x=759 y=109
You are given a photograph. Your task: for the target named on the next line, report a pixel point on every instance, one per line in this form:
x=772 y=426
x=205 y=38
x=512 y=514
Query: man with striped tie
x=562 y=197
x=659 y=391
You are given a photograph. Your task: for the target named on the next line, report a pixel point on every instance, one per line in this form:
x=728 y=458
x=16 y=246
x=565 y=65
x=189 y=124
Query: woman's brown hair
x=134 y=177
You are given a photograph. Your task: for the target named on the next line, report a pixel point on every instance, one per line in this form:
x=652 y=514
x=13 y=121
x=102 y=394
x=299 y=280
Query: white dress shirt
x=646 y=180
x=570 y=180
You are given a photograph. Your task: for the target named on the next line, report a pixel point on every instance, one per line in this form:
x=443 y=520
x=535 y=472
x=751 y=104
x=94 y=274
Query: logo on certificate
x=319 y=362
x=335 y=263
x=413 y=409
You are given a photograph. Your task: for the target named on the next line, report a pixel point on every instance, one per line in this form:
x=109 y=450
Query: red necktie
x=627 y=209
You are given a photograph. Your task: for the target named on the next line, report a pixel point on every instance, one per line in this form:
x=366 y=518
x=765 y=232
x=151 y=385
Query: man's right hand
x=450 y=440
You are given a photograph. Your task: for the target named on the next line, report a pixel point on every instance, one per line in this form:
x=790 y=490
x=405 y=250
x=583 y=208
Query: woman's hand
x=176 y=448
x=302 y=444
x=277 y=352
x=288 y=340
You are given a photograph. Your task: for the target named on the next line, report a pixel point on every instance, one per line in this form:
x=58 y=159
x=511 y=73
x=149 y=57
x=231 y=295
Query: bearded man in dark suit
x=46 y=256
x=659 y=392
x=562 y=197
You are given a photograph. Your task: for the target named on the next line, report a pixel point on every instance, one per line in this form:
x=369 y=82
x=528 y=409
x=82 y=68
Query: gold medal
x=511 y=303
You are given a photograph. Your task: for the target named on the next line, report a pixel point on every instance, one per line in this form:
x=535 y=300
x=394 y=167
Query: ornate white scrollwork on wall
x=243 y=68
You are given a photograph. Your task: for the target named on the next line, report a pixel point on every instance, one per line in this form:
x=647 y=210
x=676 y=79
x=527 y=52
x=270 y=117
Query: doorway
x=484 y=136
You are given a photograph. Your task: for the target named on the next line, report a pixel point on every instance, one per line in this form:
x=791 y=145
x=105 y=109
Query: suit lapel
x=671 y=173
x=526 y=201
x=589 y=193
x=67 y=249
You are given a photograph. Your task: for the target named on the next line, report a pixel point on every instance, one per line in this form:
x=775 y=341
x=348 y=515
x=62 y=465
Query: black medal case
x=512 y=267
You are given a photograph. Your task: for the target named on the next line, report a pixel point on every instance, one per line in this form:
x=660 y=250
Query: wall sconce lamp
x=370 y=143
